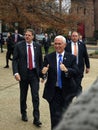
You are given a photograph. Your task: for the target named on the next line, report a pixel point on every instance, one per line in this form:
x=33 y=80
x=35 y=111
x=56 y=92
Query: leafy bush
x=96 y=52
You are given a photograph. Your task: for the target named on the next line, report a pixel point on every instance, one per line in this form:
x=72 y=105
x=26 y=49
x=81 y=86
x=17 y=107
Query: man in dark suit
x=60 y=87
x=27 y=65
x=46 y=43
x=1 y=42
x=82 y=58
x=16 y=37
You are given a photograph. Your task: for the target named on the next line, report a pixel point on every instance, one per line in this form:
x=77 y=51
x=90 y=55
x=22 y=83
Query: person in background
x=46 y=43
x=1 y=42
x=79 y=49
x=27 y=66
x=16 y=37
x=68 y=38
x=10 y=49
x=81 y=38
x=60 y=68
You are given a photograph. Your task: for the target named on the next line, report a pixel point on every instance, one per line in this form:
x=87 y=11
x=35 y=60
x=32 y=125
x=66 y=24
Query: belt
x=58 y=88
x=31 y=70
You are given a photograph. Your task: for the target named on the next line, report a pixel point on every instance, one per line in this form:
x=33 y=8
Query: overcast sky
x=66 y=4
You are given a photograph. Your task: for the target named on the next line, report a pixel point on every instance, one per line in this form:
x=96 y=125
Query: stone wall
x=82 y=114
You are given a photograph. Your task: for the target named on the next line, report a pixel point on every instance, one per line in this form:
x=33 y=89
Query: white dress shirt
x=72 y=48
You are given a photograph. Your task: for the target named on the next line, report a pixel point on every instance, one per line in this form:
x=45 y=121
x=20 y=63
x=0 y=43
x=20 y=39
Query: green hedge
x=51 y=49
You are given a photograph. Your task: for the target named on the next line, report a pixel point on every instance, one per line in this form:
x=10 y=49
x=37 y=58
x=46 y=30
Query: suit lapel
x=24 y=48
x=79 y=47
x=54 y=61
x=70 y=50
x=65 y=57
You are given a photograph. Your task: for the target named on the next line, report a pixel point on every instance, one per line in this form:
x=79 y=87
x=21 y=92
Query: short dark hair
x=30 y=30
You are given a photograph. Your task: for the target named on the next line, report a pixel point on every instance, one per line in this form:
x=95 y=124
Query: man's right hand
x=45 y=69
x=17 y=77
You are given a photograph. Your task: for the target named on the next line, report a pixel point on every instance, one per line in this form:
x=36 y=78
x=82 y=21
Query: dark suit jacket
x=69 y=86
x=20 y=59
x=83 y=58
x=46 y=43
x=1 y=39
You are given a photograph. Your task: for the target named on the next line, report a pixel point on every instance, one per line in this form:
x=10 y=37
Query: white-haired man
x=60 y=87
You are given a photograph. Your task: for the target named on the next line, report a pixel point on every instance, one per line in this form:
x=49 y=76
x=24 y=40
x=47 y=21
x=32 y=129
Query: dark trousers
x=8 y=56
x=78 y=81
x=46 y=50
x=1 y=45
x=57 y=107
x=33 y=81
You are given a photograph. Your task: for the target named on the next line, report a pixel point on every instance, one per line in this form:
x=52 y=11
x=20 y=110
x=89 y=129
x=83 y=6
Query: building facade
x=87 y=10
x=96 y=13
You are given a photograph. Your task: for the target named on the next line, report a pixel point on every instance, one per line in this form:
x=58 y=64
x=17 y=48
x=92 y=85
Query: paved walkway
x=92 y=48
x=10 y=118
x=9 y=99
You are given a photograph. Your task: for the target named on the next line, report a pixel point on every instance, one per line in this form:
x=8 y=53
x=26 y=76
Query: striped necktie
x=75 y=49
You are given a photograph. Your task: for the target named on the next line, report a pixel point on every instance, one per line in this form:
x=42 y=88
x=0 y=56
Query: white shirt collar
x=73 y=43
x=29 y=44
x=60 y=53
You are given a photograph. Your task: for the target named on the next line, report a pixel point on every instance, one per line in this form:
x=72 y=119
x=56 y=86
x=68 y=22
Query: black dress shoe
x=10 y=59
x=24 y=118
x=6 y=66
x=37 y=123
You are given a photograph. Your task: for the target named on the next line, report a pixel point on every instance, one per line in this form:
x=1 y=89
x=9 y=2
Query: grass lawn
x=51 y=49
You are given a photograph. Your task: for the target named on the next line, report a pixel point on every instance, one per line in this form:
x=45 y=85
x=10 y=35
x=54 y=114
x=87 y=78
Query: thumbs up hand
x=63 y=67
x=45 y=69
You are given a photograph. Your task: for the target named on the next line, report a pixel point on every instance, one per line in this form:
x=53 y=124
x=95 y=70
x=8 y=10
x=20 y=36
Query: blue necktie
x=59 y=71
